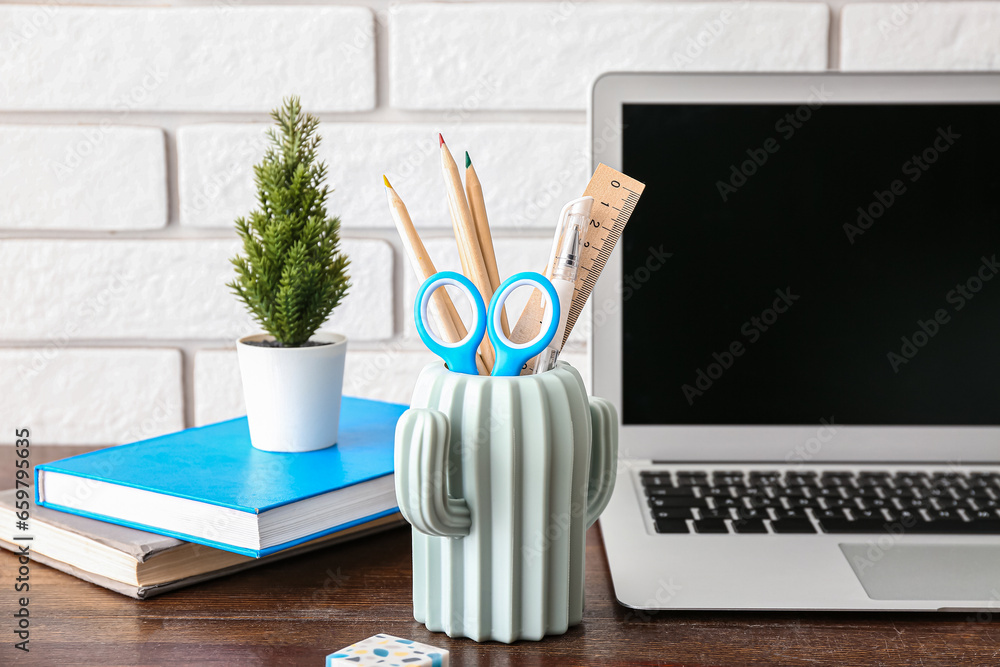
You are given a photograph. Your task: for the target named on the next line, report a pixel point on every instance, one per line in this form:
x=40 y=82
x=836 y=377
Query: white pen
x=564 y=263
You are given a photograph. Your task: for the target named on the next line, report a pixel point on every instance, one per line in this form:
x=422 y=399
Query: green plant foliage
x=292 y=273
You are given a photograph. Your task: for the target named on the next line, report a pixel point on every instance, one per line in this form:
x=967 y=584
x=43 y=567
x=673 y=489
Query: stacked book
x=156 y=515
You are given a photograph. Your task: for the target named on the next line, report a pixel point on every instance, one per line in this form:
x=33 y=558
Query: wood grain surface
x=295 y=612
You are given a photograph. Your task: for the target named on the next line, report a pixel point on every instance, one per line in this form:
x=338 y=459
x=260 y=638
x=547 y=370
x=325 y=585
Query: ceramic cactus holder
x=500 y=478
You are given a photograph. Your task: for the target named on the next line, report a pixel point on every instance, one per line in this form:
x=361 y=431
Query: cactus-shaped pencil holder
x=500 y=478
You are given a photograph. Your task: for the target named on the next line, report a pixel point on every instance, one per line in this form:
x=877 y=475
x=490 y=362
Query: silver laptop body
x=895 y=568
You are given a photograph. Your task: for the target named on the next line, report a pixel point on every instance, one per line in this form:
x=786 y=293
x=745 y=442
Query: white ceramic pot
x=293 y=393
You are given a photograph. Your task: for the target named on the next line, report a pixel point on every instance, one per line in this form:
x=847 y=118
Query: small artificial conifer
x=293 y=273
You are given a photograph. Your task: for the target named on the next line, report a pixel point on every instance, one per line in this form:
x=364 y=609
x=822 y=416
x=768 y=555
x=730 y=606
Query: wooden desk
x=296 y=611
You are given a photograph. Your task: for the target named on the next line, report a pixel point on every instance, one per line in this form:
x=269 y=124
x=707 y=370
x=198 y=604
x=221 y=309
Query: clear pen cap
x=573 y=220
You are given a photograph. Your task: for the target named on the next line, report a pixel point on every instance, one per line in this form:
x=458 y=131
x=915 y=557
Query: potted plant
x=291 y=276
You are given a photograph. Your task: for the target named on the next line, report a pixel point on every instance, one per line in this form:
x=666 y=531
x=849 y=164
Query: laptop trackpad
x=926 y=572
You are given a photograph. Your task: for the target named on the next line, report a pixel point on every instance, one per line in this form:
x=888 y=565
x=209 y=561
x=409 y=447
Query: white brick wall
x=527 y=170
x=921 y=36
x=127 y=134
x=88 y=177
x=214 y=58
x=161 y=289
x=544 y=55
x=70 y=395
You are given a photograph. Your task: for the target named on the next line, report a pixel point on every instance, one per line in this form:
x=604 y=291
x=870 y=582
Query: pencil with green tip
x=474 y=193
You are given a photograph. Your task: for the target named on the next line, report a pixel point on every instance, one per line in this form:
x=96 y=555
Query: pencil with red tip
x=469 y=251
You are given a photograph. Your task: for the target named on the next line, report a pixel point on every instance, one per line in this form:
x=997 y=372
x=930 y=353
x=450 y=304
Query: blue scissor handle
x=510 y=357
x=460 y=357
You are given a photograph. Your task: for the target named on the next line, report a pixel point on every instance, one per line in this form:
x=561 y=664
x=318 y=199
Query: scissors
x=460 y=357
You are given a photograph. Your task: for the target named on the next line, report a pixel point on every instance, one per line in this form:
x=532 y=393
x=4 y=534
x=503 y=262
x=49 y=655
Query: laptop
x=800 y=329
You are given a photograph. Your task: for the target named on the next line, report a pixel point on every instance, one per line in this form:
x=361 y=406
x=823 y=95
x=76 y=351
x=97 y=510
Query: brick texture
x=467 y=56
x=86 y=177
x=527 y=170
x=161 y=289
x=90 y=396
x=215 y=58
x=921 y=36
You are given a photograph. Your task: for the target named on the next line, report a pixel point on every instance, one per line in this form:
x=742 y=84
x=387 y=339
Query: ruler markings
x=601 y=239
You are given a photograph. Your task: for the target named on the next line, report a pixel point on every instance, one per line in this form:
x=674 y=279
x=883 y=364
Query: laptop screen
x=788 y=264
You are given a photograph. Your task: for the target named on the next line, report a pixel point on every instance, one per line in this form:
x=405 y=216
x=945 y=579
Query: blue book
x=209 y=485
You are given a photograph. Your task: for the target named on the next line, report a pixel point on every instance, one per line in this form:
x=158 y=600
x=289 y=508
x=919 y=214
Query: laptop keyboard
x=804 y=501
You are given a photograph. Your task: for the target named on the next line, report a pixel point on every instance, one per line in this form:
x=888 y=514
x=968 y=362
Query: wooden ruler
x=615 y=196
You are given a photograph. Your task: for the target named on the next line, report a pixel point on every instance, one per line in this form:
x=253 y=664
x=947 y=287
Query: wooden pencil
x=477 y=204
x=467 y=238
x=451 y=326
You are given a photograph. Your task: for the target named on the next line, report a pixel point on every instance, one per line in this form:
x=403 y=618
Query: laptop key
x=955 y=527
x=792 y=526
x=674 y=491
x=670 y=501
x=803 y=502
x=710 y=526
x=749 y=526
x=791 y=514
x=656 y=479
x=671 y=526
x=859 y=526
x=714 y=514
x=673 y=513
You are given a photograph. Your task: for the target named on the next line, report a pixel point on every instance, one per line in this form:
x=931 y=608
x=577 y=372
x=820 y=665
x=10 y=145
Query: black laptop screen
x=788 y=264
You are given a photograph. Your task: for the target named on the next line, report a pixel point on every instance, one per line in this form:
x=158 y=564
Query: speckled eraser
x=388 y=651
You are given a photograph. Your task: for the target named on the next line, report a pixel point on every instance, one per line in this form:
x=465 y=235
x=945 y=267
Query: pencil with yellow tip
x=469 y=251
x=452 y=328
x=477 y=204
